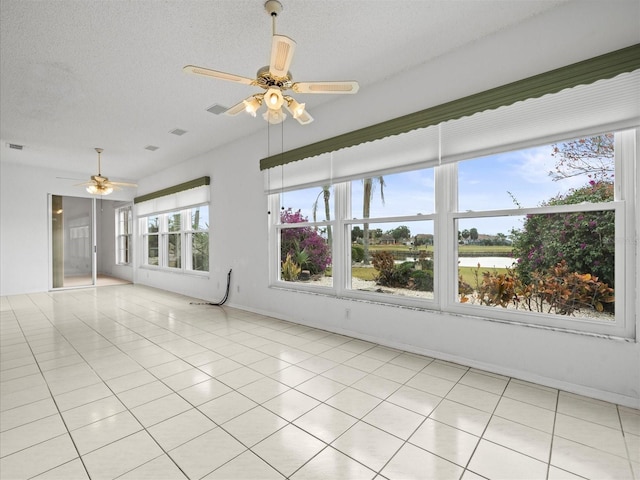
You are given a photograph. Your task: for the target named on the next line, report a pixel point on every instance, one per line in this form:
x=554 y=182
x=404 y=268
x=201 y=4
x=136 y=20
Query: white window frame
x=189 y=231
x=184 y=234
x=274 y=248
x=124 y=231
x=445 y=247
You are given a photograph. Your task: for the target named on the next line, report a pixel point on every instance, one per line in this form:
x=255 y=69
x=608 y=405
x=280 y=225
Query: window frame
x=126 y=236
x=189 y=233
x=184 y=234
x=275 y=247
x=446 y=246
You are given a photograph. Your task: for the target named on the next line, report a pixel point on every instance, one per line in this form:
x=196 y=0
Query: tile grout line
x=112 y=392
x=75 y=446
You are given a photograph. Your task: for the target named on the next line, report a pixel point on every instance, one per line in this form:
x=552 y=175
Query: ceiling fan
x=275 y=79
x=99 y=185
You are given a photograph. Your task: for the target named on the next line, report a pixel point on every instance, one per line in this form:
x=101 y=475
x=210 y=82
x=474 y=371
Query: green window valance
x=582 y=73
x=198 y=182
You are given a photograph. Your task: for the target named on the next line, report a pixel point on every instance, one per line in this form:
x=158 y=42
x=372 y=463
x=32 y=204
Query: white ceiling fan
x=99 y=185
x=275 y=79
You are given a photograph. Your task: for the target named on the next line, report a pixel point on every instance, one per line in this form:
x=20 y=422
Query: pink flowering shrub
x=304 y=243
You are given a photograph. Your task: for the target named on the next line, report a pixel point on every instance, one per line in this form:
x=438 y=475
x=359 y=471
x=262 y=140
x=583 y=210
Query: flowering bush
x=584 y=240
x=304 y=244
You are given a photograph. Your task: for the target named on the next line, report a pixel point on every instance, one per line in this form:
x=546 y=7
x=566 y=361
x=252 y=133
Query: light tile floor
x=135 y=383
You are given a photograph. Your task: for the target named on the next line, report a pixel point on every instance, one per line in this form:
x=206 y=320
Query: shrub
x=423 y=280
x=403 y=275
x=357 y=253
x=383 y=262
x=584 y=240
x=556 y=290
x=295 y=241
x=290 y=269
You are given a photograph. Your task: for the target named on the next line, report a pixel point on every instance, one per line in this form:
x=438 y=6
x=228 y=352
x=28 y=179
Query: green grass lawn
x=468 y=273
x=484 y=250
x=466 y=250
x=364 y=273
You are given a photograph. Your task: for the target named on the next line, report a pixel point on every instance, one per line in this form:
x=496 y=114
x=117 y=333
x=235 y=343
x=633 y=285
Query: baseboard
x=577 y=389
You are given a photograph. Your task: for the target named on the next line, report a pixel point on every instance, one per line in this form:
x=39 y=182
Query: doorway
x=73 y=245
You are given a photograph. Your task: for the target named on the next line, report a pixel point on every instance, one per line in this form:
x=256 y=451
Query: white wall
x=106 y=233
x=606 y=369
x=24 y=224
x=602 y=368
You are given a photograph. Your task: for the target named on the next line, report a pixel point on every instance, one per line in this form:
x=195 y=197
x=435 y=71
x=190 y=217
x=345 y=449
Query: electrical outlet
x=347 y=313
x=238 y=288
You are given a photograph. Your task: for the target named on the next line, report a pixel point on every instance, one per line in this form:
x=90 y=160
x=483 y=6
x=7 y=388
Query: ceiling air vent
x=178 y=131
x=15 y=146
x=151 y=148
x=217 y=109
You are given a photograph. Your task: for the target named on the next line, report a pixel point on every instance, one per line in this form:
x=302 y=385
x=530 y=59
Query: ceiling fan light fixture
x=99 y=189
x=274 y=117
x=296 y=109
x=273 y=98
x=252 y=105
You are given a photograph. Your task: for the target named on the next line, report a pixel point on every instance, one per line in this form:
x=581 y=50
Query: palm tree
x=366 y=207
x=326 y=194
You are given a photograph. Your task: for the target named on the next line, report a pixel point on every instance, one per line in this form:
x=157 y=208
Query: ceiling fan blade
x=207 y=72
x=236 y=109
x=122 y=184
x=282 y=49
x=85 y=184
x=325 y=87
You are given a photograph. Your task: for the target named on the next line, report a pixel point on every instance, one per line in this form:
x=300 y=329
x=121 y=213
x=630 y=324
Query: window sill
x=175 y=271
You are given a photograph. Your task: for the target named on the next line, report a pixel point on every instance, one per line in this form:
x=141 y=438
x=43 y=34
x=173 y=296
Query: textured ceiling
x=79 y=74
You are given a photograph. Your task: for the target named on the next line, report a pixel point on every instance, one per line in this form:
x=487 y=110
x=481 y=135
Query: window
x=152 y=242
x=391 y=231
x=177 y=240
x=124 y=231
x=197 y=239
x=553 y=249
x=305 y=236
x=529 y=235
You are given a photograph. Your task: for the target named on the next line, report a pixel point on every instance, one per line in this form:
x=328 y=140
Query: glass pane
x=152 y=250
x=175 y=254
x=561 y=263
x=174 y=221
x=72 y=241
x=397 y=259
x=200 y=251
x=400 y=194
x=153 y=224
x=305 y=255
x=539 y=176
x=200 y=218
x=308 y=205
x=128 y=223
x=123 y=249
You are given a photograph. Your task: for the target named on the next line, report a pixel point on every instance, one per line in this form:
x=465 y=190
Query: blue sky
x=487 y=183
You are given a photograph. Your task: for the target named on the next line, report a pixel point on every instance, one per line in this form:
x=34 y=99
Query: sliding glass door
x=72 y=242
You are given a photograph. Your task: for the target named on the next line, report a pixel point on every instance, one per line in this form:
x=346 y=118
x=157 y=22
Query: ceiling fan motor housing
x=273 y=7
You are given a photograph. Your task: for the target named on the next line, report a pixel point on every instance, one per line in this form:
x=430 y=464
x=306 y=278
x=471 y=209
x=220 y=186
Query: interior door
x=73 y=250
